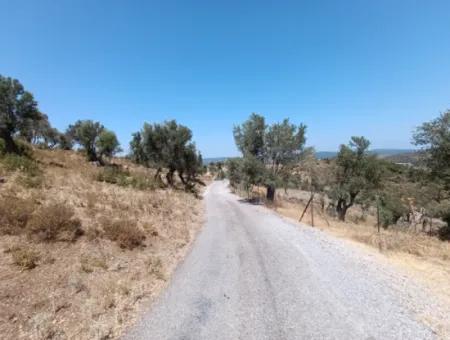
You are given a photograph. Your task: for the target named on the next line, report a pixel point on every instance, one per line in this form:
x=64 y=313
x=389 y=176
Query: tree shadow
x=252 y=201
x=444 y=233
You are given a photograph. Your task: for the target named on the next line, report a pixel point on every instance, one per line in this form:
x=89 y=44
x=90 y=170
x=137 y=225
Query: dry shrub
x=24 y=257
x=54 y=222
x=88 y=263
x=155 y=267
x=14 y=214
x=125 y=232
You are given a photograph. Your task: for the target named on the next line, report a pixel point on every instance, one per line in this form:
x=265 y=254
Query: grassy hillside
x=83 y=247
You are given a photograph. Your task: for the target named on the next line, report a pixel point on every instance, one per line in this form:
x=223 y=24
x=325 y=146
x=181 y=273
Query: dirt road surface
x=254 y=275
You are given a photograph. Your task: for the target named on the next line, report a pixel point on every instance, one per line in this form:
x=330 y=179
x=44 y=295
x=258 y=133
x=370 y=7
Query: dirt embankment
x=116 y=245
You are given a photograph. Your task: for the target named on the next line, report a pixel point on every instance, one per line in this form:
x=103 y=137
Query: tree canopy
x=168 y=145
x=96 y=141
x=275 y=147
x=434 y=138
x=18 y=111
x=356 y=172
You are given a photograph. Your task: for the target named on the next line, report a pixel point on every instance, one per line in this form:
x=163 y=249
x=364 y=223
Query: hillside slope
x=83 y=248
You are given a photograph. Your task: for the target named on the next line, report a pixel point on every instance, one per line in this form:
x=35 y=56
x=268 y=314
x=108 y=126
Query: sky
x=344 y=68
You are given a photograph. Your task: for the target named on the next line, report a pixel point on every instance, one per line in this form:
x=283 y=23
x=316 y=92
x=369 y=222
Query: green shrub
x=391 y=210
x=13 y=162
x=116 y=175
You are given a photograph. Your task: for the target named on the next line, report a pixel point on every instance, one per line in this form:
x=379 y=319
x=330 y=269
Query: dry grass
x=125 y=232
x=421 y=256
x=93 y=286
x=55 y=222
x=14 y=214
x=24 y=256
x=363 y=230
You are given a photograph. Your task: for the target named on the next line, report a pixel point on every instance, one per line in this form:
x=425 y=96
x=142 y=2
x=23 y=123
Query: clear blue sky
x=373 y=68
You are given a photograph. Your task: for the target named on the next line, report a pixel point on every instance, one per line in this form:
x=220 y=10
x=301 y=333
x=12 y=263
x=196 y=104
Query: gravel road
x=254 y=275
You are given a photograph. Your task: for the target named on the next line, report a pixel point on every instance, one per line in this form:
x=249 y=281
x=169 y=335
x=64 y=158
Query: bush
x=24 y=149
x=116 y=175
x=14 y=215
x=13 y=162
x=54 y=222
x=391 y=209
x=25 y=258
x=124 y=232
x=112 y=175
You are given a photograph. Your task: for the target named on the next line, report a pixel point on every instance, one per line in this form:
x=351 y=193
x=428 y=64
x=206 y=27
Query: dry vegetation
x=426 y=257
x=83 y=248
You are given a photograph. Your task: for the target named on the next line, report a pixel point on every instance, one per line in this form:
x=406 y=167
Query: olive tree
x=18 y=111
x=168 y=146
x=95 y=140
x=356 y=173
x=107 y=144
x=434 y=138
x=276 y=147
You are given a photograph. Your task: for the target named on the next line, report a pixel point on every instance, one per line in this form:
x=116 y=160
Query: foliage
x=391 y=209
x=252 y=171
x=107 y=144
x=275 y=147
x=249 y=136
x=18 y=110
x=356 y=173
x=234 y=172
x=95 y=140
x=30 y=174
x=434 y=138
x=114 y=174
x=168 y=145
x=216 y=170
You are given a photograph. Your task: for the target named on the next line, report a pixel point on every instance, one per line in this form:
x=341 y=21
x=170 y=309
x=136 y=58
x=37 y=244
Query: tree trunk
x=10 y=145
x=169 y=177
x=341 y=209
x=270 y=195
x=157 y=175
x=180 y=175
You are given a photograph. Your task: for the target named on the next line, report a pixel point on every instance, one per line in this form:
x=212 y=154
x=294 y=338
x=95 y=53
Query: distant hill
x=207 y=161
x=383 y=153
x=408 y=157
x=394 y=155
